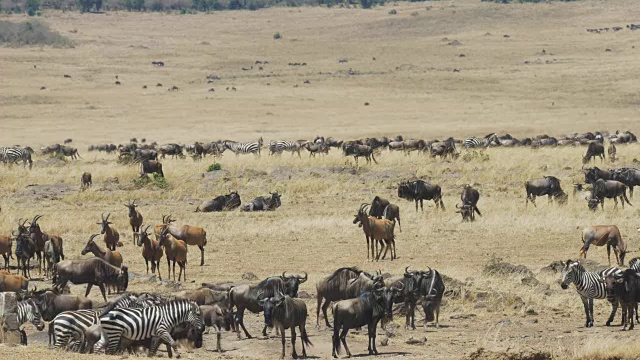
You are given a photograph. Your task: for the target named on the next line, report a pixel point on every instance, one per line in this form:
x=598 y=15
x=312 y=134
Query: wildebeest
x=25 y=250
x=51 y=303
x=247 y=297
x=221 y=203
x=594 y=173
x=419 y=190
x=601 y=235
x=219 y=318
x=69 y=151
x=94 y=271
x=548 y=185
x=357 y=151
x=594 y=149
x=626 y=290
x=470 y=197
x=151 y=167
x=627 y=176
x=607 y=189
x=85 y=181
x=466 y=211
x=367 y=309
x=382 y=208
x=344 y=283
x=263 y=203
x=171 y=149
x=283 y=312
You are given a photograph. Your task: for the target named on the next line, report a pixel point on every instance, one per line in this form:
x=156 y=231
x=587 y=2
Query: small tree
x=32 y=7
x=98 y=5
x=85 y=5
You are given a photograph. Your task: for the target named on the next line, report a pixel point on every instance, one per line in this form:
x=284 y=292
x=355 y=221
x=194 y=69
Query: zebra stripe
x=153 y=322
x=12 y=155
x=635 y=264
x=473 y=142
x=28 y=312
x=69 y=326
x=590 y=286
x=243 y=148
x=277 y=147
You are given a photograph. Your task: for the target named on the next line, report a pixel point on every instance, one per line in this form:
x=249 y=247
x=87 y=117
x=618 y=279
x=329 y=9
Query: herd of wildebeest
x=357 y=298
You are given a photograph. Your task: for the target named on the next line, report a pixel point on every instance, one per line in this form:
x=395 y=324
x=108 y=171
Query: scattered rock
x=530 y=311
x=384 y=341
x=482 y=354
x=304 y=295
x=249 y=276
x=412 y=341
x=530 y=281
x=462 y=316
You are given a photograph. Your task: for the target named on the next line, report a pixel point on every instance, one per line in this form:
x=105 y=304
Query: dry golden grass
x=412 y=91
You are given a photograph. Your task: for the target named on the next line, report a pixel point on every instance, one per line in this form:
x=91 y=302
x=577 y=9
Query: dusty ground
x=412 y=90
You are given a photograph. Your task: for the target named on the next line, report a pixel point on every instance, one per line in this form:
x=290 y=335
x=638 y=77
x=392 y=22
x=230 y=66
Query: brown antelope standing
x=191 y=235
x=135 y=219
x=111 y=235
x=151 y=251
x=176 y=251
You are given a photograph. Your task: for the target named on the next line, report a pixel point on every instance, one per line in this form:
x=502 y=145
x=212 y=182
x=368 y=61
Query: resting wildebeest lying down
x=607 y=189
x=548 y=185
x=263 y=203
x=221 y=203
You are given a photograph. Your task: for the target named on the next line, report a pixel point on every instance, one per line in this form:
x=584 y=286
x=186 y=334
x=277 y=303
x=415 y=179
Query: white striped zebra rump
x=68 y=327
x=142 y=324
x=278 y=147
x=243 y=148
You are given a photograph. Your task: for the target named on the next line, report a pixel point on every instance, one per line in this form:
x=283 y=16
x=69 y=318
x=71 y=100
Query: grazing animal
x=25 y=250
x=176 y=251
x=344 y=283
x=316 y=148
x=470 y=197
x=548 y=185
x=94 y=271
x=13 y=283
x=141 y=324
x=6 y=245
x=466 y=211
x=219 y=318
x=594 y=149
x=51 y=257
x=221 y=203
x=135 y=219
x=39 y=240
x=378 y=231
x=151 y=251
x=426 y=286
x=151 y=167
x=247 y=297
x=28 y=311
x=601 y=235
x=383 y=209
x=589 y=286
x=591 y=175
x=474 y=142
x=626 y=290
x=182 y=331
x=111 y=235
x=611 y=189
x=191 y=235
x=263 y=203
x=284 y=312
x=174 y=150
x=278 y=147
x=112 y=257
x=367 y=309
x=85 y=181
x=419 y=190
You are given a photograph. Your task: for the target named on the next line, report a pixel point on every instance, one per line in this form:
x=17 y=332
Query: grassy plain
x=574 y=86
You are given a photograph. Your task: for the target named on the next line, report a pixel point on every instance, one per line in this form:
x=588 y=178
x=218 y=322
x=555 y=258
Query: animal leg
x=201 y=254
x=609 y=254
x=416 y=201
x=614 y=309
x=147 y=263
x=303 y=338
x=240 y=320
x=585 y=303
x=590 y=312
x=372 y=338
x=89 y=286
x=218 y=344
x=343 y=338
x=293 y=342
x=101 y=290
x=325 y=306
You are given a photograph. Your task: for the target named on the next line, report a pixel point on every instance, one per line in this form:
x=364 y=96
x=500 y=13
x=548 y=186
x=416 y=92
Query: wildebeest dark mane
x=342 y=275
x=369 y=301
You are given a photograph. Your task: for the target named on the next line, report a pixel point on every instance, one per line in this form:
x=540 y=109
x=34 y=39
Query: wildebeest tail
x=624 y=195
x=336 y=333
x=475 y=208
x=305 y=338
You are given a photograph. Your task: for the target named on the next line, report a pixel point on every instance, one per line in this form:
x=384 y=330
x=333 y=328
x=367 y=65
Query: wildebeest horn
x=401 y=287
x=284 y=274
x=457 y=206
x=406 y=270
x=303 y=279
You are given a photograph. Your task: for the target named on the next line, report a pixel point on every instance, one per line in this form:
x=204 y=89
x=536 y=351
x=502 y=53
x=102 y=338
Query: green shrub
x=28 y=33
x=159 y=181
x=32 y=7
x=214 y=167
x=393 y=12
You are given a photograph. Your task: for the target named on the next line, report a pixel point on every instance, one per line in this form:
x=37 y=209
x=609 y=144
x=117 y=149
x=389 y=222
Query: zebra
x=589 y=285
x=243 y=148
x=12 y=155
x=474 y=142
x=67 y=328
x=28 y=311
x=277 y=147
x=124 y=325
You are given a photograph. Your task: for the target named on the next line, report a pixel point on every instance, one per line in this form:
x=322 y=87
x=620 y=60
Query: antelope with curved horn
x=111 y=235
x=191 y=235
x=380 y=230
x=135 y=219
x=151 y=251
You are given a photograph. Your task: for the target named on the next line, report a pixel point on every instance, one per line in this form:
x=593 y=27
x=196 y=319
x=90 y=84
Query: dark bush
x=30 y=33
